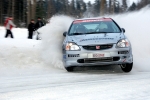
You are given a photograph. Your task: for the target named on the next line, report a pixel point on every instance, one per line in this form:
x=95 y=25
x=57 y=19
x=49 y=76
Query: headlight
x=123 y=43
x=72 y=46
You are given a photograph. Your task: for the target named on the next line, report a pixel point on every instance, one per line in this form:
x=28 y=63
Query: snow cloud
x=138 y=32
x=52 y=38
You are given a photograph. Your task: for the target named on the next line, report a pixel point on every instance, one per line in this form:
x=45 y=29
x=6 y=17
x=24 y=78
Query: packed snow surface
x=33 y=70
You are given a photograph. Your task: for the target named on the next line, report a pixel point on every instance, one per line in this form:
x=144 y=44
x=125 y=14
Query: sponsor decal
x=96 y=39
x=64 y=56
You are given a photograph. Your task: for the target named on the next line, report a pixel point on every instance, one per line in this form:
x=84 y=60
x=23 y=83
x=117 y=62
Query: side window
x=115 y=28
x=73 y=29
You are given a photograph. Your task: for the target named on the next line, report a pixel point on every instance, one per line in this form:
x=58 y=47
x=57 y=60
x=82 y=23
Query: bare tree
x=102 y=7
x=111 y=6
x=33 y=8
x=51 y=8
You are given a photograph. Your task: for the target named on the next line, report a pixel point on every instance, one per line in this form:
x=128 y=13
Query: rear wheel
x=126 y=67
x=69 y=69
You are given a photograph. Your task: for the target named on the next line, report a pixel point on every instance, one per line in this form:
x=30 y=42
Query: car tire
x=69 y=69
x=126 y=67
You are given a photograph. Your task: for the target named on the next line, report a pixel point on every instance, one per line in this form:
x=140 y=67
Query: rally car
x=96 y=41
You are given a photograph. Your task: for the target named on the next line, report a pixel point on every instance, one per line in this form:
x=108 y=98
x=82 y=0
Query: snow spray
x=52 y=39
x=137 y=26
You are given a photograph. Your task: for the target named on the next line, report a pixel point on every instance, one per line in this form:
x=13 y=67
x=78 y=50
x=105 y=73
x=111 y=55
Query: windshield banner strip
x=91 y=20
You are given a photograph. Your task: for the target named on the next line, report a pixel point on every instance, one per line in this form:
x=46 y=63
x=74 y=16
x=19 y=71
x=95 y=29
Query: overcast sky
x=129 y=1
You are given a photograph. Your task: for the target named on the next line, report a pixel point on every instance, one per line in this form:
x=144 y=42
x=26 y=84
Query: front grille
x=98 y=47
x=93 y=60
x=96 y=60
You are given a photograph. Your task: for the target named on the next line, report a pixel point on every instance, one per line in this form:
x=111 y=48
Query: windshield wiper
x=77 y=33
x=96 y=32
x=89 y=33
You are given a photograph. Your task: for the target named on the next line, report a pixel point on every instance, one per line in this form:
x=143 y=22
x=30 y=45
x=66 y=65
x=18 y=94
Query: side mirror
x=123 y=30
x=64 y=34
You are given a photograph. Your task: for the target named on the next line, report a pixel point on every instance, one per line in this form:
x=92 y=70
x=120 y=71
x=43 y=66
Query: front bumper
x=113 y=56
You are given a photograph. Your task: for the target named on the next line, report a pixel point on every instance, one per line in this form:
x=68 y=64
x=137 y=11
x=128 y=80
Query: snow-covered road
x=88 y=85
x=32 y=70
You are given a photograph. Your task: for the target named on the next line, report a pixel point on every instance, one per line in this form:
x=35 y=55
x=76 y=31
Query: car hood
x=96 y=38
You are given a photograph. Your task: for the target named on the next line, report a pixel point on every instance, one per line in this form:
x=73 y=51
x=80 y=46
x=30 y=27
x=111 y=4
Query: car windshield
x=81 y=27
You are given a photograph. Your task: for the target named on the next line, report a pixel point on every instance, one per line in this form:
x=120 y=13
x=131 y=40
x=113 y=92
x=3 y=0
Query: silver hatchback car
x=96 y=41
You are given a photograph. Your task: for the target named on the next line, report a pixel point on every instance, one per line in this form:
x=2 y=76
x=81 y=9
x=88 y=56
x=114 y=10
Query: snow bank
x=19 y=56
x=18 y=33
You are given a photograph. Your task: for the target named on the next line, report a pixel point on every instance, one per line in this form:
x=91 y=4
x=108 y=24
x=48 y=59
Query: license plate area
x=98 y=55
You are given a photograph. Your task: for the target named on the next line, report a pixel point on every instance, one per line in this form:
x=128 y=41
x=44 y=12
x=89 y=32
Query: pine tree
x=84 y=7
x=124 y=5
x=133 y=7
x=66 y=4
x=89 y=4
x=1 y=8
x=72 y=8
x=13 y=7
x=80 y=7
x=28 y=12
x=142 y=4
x=117 y=7
x=9 y=8
x=97 y=6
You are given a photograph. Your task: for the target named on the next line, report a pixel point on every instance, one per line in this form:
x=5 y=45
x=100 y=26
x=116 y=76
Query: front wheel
x=69 y=69
x=126 y=67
